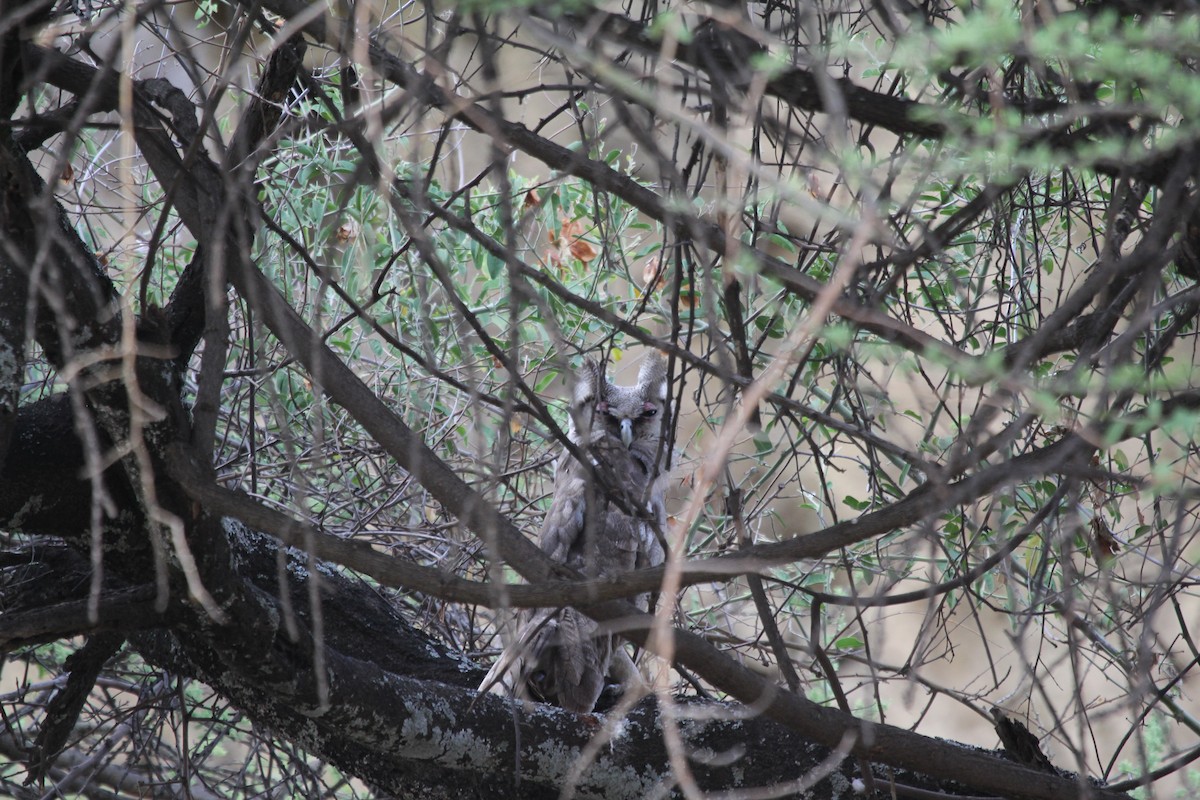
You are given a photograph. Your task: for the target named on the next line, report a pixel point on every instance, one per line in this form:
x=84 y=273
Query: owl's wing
x=559 y=656
x=563 y=526
x=563 y=530
x=650 y=550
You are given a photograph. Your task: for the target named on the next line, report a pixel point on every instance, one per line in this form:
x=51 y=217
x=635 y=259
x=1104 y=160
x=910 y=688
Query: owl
x=605 y=518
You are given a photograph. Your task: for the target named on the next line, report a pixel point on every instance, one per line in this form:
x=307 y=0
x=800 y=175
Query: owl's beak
x=627 y=432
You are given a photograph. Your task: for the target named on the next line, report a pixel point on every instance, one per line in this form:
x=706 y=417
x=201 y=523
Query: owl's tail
x=559 y=657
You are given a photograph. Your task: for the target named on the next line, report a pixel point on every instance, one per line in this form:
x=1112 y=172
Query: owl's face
x=629 y=413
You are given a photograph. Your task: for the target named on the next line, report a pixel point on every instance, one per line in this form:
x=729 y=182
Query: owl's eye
x=649 y=410
x=538 y=683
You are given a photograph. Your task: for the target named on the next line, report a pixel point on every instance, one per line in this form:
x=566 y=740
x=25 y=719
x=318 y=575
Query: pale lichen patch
x=554 y=763
x=463 y=749
x=431 y=732
x=10 y=366
x=841 y=786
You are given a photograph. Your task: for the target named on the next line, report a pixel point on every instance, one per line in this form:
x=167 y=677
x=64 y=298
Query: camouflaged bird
x=599 y=527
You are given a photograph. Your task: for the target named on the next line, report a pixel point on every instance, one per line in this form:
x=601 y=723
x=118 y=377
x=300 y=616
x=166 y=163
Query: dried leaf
x=583 y=250
x=654 y=275
x=1104 y=545
x=568 y=242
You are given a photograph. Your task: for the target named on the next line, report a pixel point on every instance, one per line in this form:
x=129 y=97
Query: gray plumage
x=599 y=527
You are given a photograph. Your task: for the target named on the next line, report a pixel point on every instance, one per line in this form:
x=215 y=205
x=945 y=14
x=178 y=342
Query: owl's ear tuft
x=652 y=377
x=589 y=383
